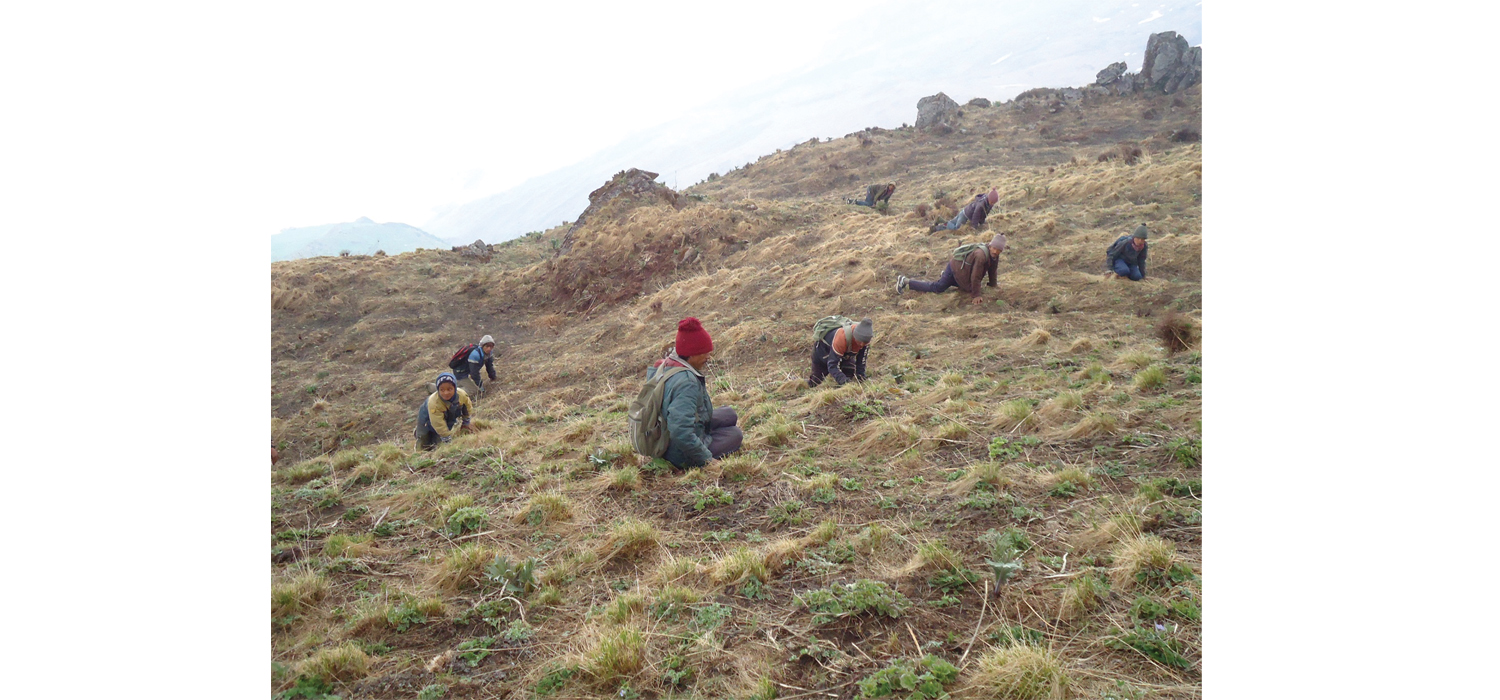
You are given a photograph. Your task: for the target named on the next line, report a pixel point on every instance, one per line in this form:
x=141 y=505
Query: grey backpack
x=828 y=323
x=648 y=427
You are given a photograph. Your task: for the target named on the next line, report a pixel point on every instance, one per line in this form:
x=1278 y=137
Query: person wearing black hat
x=450 y=402
x=840 y=351
x=1126 y=257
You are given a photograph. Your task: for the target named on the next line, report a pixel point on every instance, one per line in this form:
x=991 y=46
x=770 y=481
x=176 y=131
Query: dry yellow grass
x=1021 y=673
x=1138 y=554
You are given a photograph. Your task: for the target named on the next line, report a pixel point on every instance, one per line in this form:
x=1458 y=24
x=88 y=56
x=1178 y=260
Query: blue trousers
x=958 y=221
x=1125 y=269
x=941 y=285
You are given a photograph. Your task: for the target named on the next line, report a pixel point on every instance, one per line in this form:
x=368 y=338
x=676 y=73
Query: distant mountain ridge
x=360 y=237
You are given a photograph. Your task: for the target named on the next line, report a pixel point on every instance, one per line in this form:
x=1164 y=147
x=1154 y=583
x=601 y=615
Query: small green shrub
x=513 y=579
x=554 y=680
x=476 y=650
x=1155 y=644
x=470 y=519
x=842 y=600
x=924 y=679
x=1001 y=449
x=710 y=496
x=787 y=513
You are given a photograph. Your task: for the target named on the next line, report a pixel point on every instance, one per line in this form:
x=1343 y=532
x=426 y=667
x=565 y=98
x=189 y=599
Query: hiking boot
x=901 y=283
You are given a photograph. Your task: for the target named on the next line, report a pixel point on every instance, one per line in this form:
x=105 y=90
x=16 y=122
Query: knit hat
x=994 y=196
x=864 y=332
x=487 y=340
x=1140 y=231
x=692 y=339
x=998 y=242
x=447 y=377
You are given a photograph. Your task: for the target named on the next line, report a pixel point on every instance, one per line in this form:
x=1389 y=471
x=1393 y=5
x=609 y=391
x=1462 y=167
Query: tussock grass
x=673 y=570
x=545 y=508
x=1139 y=554
x=1152 y=377
x=933 y=556
x=886 y=437
x=1123 y=525
x=738 y=565
x=1063 y=404
x=1080 y=346
x=824 y=532
x=742 y=465
x=1137 y=359
x=777 y=431
x=298 y=593
x=370 y=472
x=347 y=459
x=989 y=473
x=450 y=505
x=423 y=496
x=1076 y=476
x=1177 y=332
x=344 y=663
x=1016 y=412
x=462 y=566
x=340 y=545
x=1021 y=673
x=1092 y=425
x=951 y=430
x=625 y=607
x=1082 y=596
x=1033 y=339
x=776 y=556
x=627 y=478
x=874 y=539
x=629 y=538
x=304 y=472
x=565 y=569
x=616 y=656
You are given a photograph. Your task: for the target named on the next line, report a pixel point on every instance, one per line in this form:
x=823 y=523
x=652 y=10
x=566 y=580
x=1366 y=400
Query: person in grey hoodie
x=1126 y=257
x=698 y=433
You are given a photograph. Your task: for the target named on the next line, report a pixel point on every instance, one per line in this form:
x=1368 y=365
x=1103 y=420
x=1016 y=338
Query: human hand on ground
x=976 y=301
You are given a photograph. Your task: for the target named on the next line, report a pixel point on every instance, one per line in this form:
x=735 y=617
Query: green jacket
x=688 y=411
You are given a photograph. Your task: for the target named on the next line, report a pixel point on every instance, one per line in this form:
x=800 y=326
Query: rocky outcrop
x=935 y=110
x=1111 y=74
x=979 y=102
x=479 y=250
x=1170 y=64
x=634 y=184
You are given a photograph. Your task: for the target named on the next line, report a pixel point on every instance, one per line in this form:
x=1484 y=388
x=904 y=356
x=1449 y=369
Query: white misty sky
x=273 y=115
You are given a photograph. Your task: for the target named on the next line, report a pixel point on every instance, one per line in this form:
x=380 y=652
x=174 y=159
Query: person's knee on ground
x=723 y=418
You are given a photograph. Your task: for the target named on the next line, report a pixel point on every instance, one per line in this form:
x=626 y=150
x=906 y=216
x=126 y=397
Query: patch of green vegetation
x=405 y=615
x=1175 y=487
x=514 y=579
x=954 y=580
x=710 y=496
x=824 y=495
x=1012 y=635
x=432 y=691
x=491 y=612
x=923 y=679
x=310 y=688
x=707 y=617
x=1187 y=451
x=355 y=513
x=470 y=519
x=476 y=650
x=787 y=513
x=1002 y=449
x=851 y=484
x=1156 y=644
x=554 y=680
x=861 y=410
x=842 y=600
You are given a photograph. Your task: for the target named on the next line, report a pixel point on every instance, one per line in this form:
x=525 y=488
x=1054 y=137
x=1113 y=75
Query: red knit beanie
x=692 y=339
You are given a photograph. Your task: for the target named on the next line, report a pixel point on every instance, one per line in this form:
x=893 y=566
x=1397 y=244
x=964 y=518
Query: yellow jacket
x=450 y=411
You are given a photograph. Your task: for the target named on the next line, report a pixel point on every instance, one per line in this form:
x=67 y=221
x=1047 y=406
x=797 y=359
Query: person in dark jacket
x=481 y=358
x=965 y=274
x=874 y=195
x=843 y=358
x=1126 y=257
x=974 y=213
x=449 y=400
x=697 y=431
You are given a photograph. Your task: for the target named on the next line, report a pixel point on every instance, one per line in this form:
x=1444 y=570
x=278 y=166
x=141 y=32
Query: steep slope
x=1050 y=419
x=359 y=237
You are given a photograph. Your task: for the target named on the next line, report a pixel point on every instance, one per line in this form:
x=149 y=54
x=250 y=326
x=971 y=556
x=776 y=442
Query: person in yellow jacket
x=449 y=400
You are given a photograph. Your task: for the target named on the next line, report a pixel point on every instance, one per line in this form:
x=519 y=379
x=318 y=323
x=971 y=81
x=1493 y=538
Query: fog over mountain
x=872 y=76
x=360 y=237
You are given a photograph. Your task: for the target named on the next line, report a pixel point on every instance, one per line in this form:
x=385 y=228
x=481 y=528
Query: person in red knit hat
x=698 y=431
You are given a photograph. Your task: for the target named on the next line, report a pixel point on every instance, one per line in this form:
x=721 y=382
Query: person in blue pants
x=1126 y=257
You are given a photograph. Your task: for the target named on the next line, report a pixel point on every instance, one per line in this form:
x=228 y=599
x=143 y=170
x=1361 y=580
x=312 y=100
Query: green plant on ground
x=861 y=410
x=787 y=513
x=476 y=650
x=554 y=680
x=710 y=496
x=954 y=580
x=432 y=691
x=514 y=579
x=842 y=600
x=309 y=688
x=1152 y=377
x=1156 y=644
x=1187 y=451
x=1005 y=550
x=1012 y=635
x=469 y=519
x=1001 y=449
x=924 y=679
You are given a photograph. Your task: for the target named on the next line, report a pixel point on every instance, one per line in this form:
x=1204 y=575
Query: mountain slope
x=1050 y=423
x=360 y=237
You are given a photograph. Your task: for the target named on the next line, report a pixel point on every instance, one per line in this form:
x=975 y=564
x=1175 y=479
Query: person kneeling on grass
x=974 y=213
x=482 y=357
x=449 y=400
x=874 y=195
x=1126 y=257
x=698 y=431
x=969 y=265
x=839 y=350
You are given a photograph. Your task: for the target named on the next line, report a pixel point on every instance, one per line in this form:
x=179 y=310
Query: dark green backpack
x=828 y=323
x=648 y=427
x=962 y=252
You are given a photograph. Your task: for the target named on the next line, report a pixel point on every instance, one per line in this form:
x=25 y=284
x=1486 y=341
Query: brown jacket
x=969 y=273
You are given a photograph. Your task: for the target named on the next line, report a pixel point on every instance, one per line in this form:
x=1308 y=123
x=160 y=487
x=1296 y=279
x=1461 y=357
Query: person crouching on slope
x=1126 y=257
x=840 y=352
x=874 y=195
x=969 y=265
x=697 y=431
x=974 y=213
x=449 y=400
x=481 y=358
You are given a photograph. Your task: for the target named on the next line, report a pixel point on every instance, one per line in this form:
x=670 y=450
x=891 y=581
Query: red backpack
x=461 y=357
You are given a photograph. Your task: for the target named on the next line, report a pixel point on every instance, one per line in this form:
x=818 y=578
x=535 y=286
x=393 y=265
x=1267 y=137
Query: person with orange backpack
x=471 y=358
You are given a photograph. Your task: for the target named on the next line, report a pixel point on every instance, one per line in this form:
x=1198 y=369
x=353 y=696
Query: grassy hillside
x=1047 y=430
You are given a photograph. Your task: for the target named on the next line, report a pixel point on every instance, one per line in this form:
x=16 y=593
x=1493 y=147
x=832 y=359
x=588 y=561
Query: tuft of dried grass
x=933 y=556
x=544 y=508
x=629 y=538
x=298 y=593
x=1035 y=338
x=462 y=566
x=1092 y=425
x=1081 y=345
x=1177 y=332
x=1021 y=672
x=1082 y=596
x=1016 y=412
x=344 y=663
x=1064 y=404
x=1138 y=554
x=738 y=565
x=616 y=656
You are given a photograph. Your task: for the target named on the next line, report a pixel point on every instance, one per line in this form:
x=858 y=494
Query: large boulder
x=1111 y=73
x=979 y=102
x=1170 y=64
x=934 y=110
